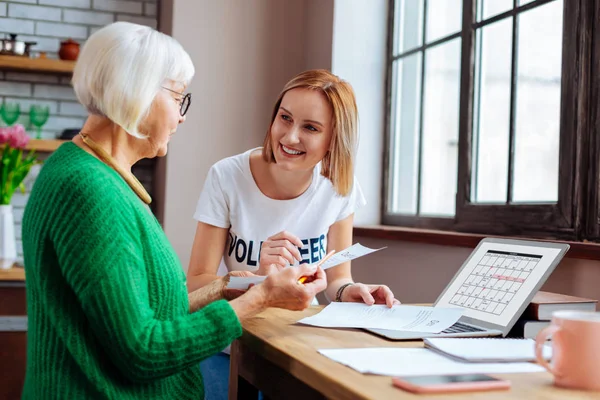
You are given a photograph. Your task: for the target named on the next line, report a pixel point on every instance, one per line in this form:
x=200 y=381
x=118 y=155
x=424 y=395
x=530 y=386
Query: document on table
x=395 y=361
x=355 y=251
x=399 y=317
x=486 y=349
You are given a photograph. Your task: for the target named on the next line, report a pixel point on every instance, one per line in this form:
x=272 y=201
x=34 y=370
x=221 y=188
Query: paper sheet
x=355 y=251
x=487 y=349
x=412 y=362
x=399 y=317
x=242 y=283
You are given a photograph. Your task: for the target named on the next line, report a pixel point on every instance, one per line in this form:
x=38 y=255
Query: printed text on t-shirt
x=247 y=252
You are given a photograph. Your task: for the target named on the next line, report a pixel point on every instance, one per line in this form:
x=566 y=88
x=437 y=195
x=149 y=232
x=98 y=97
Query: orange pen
x=304 y=278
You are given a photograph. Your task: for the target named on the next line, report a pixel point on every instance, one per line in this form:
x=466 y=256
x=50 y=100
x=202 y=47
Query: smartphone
x=450 y=383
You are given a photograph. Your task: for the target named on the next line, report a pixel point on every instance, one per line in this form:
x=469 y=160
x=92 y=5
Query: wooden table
x=280 y=358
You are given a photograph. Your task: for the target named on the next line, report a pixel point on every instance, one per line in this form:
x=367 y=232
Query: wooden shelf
x=13 y=274
x=45 y=65
x=44 y=145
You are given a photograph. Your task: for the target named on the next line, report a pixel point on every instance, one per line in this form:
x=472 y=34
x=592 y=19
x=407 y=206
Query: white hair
x=122 y=67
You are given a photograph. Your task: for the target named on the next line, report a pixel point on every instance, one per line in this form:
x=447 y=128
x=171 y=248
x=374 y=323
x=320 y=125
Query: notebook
x=486 y=349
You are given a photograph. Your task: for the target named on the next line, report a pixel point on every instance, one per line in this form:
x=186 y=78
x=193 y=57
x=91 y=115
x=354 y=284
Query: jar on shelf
x=69 y=50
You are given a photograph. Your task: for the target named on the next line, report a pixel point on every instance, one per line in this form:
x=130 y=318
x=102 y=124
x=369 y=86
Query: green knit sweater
x=107 y=302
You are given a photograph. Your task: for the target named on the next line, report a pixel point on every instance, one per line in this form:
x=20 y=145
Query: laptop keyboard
x=460 y=327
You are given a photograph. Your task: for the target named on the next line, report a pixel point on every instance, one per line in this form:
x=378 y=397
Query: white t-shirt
x=231 y=199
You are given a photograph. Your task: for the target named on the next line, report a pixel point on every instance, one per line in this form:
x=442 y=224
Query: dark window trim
x=579 y=149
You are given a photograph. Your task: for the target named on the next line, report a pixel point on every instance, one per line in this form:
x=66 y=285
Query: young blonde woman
x=287 y=203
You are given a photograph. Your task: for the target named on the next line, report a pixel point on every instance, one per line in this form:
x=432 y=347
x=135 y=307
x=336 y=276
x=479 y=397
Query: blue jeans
x=215 y=372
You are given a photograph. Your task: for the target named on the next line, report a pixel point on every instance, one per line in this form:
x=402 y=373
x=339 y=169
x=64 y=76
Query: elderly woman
x=109 y=313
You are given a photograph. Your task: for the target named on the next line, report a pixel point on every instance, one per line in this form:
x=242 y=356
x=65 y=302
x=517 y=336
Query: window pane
x=523 y=2
x=538 y=104
x=488 y=8
x=439 y=157
x=404 y=162
x=444 y=17
x=491 y=112
x=408 y=25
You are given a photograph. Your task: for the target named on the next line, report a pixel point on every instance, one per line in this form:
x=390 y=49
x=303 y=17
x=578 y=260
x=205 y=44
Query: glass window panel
x=408 y=25
x=444 y=17
x=439 y=157
x=491 y=125
x=489 y=8
x=404 y=162
x=537 y=124
x=523 y=2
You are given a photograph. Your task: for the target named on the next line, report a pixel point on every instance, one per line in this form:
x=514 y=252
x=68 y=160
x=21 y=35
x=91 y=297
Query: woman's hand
x=282 y=289
x=278 y=251
x=369 y=294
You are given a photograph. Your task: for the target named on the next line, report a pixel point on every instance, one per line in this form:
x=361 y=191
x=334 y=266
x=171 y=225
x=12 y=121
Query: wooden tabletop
x=13 y=274
x=274 y=335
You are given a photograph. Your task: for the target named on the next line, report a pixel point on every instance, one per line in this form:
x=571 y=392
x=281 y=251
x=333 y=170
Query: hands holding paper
x=282 y=289
x=282 y=249
x=280 y=286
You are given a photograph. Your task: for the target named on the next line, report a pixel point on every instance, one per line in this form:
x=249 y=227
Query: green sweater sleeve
x=99 y=240
x=145 y=348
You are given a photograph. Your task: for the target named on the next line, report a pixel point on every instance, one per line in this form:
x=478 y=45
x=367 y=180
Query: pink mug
x=575 y=349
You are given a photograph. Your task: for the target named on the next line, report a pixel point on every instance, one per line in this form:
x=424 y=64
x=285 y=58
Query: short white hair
x=121 y=68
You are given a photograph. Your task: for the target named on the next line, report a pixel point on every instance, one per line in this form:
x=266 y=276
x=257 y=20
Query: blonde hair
x=338 y=163
x=122 y=67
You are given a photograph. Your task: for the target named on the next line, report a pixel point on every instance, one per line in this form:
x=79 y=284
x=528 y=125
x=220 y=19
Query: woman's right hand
x=282 y=289
x=278 y=251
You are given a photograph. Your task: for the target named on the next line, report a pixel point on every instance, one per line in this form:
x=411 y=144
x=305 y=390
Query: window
x=489 y=116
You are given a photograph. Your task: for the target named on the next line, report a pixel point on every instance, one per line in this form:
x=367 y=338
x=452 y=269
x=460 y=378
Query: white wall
x=244 y=52
x=359 y=56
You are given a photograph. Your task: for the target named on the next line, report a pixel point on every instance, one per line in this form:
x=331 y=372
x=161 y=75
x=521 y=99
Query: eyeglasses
x=185 y=101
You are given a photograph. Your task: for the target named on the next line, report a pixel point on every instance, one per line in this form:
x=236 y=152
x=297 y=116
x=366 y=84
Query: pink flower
x=18 y=138
x=4 y=135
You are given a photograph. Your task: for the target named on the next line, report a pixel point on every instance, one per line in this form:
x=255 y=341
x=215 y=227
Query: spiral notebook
x=486 y=349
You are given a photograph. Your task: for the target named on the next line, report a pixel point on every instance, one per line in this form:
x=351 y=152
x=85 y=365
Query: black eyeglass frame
x=186 y=101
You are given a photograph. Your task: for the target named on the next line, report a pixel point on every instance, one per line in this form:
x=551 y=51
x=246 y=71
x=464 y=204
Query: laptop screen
x=498 y=279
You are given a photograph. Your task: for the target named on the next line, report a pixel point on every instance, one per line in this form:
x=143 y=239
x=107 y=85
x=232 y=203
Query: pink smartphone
x=450 y=383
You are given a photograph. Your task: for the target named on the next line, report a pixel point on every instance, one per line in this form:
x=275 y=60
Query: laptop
x=493 y=286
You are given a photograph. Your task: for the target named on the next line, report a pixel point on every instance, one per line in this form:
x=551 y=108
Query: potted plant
x=14 y=167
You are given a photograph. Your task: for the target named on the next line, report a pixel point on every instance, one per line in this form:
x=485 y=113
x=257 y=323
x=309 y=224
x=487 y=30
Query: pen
x=304 y=278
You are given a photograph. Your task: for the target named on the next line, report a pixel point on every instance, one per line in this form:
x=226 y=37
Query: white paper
x=412 y=362
x=243 y=282
x=488 y=349
x=399 y=317
x=355 y=251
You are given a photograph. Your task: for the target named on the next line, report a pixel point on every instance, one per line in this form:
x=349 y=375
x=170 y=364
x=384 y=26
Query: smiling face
x=302 y=130
x=163 y=118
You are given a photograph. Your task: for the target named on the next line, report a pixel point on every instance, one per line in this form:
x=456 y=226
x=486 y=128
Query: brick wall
x=48 y=22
